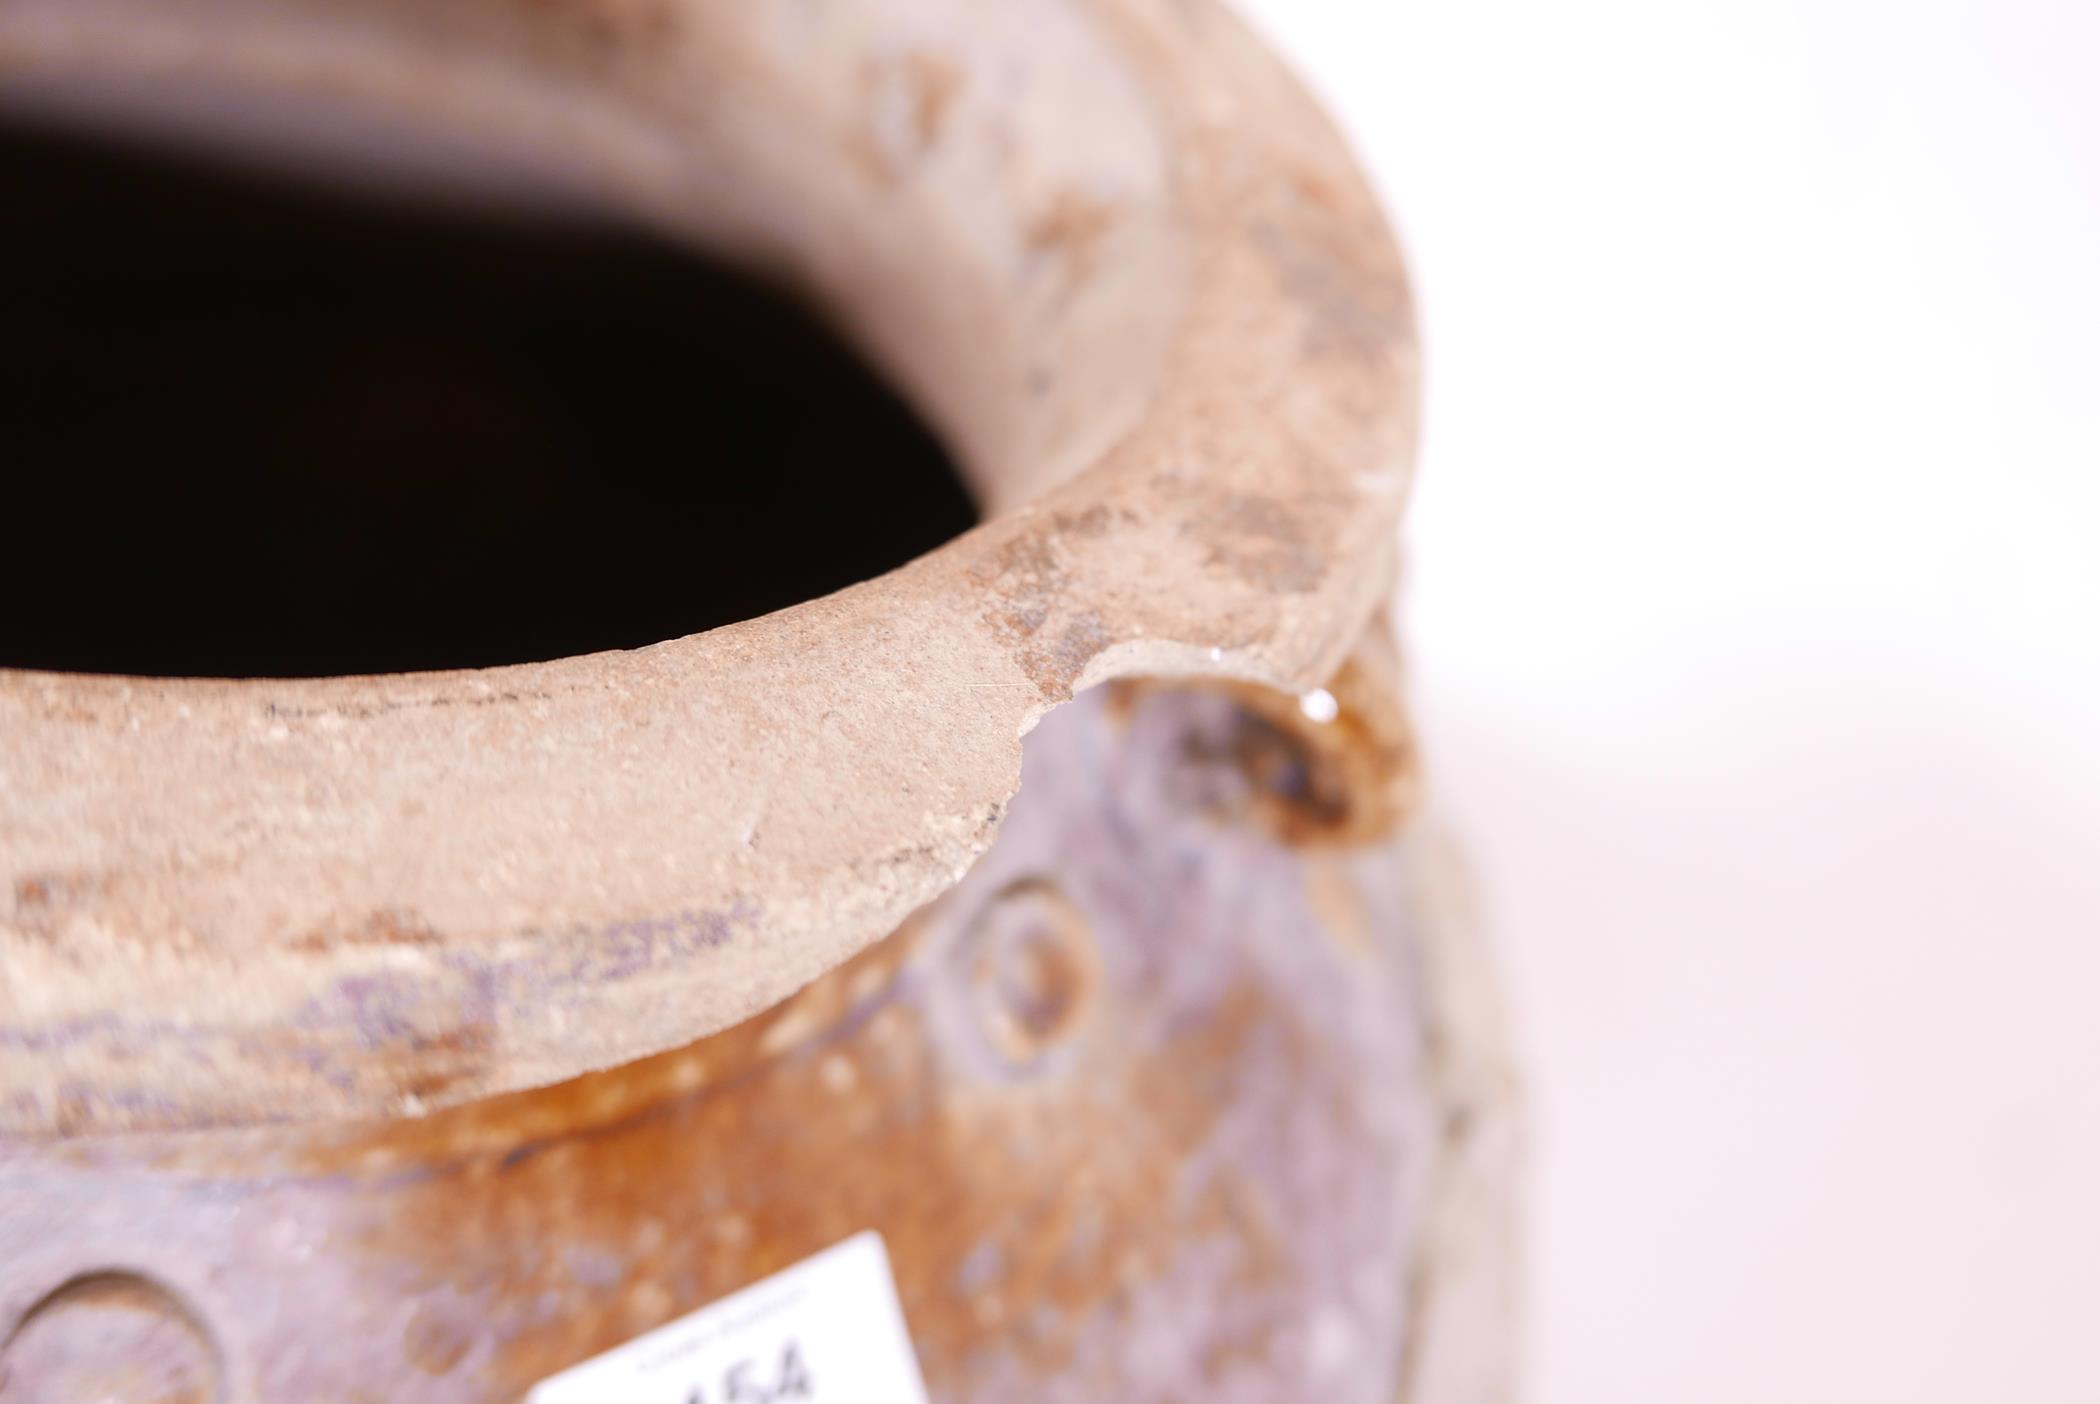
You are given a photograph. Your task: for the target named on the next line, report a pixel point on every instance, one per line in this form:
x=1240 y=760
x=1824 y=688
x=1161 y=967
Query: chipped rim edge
x=265 y=1033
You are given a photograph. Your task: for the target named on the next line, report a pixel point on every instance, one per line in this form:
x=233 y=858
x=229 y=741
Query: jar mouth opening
x=263 y=423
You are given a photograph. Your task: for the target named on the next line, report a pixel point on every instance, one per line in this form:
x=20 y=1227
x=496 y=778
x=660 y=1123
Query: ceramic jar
x=1058 y=907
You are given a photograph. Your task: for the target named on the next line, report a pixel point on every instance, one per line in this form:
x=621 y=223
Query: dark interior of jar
x=254 y=427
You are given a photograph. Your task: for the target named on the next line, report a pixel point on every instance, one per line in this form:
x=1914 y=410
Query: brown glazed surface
x=1139 y=1109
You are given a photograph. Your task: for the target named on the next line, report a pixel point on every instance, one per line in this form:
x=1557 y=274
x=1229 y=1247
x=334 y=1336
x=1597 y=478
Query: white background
x=1754 y=598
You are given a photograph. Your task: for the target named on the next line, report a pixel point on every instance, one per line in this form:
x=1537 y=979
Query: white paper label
x=826 y=1331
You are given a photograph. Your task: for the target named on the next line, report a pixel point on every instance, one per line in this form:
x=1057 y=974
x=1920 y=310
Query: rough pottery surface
x=417 y=1036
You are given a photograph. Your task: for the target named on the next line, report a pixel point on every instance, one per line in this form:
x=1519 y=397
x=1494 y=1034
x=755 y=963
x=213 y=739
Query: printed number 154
x=746 y=1382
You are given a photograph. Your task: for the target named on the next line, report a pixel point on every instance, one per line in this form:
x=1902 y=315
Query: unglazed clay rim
x=248 y=901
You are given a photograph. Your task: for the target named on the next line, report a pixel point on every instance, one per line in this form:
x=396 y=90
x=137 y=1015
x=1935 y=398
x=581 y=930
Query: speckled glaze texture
x=1138 y=1108
x=415 y=1037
